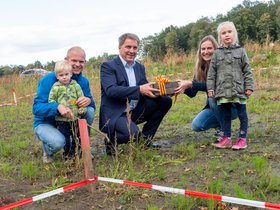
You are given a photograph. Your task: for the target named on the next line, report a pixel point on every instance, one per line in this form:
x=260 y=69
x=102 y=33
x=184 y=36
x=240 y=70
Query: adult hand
x=83 y=101
x=65 y=112
x=183 y=85
x=248 y=92
x=148 y=90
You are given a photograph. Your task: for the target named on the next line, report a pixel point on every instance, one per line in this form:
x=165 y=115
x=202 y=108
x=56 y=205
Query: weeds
x=186 y=149
x=6 y=169
x=29 y=171
x=260 y=164
x=241 y=193
x=183 y=203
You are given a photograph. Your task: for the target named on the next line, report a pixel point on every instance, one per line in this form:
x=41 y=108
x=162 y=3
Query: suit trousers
x=150 y=111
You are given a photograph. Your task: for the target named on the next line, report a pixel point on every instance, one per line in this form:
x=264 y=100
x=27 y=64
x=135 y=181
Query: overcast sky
x=43 y=30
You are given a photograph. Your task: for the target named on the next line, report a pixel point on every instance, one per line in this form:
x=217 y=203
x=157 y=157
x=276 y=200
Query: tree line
x=254 y=20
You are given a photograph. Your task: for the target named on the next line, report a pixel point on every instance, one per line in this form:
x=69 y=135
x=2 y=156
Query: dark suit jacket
x=115 y=92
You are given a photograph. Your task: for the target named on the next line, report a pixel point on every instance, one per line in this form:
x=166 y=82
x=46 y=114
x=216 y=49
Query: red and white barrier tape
x=28 y=95
x=14 y=103
x=47 y=194
x=227 y=199
x=8 y=104
x=209 y=196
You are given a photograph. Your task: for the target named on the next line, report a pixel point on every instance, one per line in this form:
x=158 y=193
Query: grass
x=29 y=170
x=187 y=161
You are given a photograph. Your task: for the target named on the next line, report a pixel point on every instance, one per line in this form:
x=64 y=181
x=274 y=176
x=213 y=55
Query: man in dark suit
x=128 y=99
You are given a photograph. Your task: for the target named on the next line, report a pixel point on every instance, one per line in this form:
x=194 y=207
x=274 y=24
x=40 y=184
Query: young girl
x=210 y=116
x=230 y=80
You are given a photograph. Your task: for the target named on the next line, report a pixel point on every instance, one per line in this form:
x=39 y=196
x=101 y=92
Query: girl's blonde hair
x=62 y=65
x=202 y=66
x=235 y=35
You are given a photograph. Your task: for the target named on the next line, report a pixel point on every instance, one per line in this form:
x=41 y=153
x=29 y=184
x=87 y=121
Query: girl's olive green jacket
x=230 y=73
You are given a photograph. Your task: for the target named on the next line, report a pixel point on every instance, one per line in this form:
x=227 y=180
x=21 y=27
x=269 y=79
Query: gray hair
x=125 y=36
x=235 y=35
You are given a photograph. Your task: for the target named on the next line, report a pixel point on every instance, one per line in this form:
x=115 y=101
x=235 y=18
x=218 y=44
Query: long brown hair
x=202 y=66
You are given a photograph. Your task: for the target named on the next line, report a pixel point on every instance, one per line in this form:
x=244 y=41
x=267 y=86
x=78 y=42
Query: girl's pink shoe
x=224 y=142
x=240 y=144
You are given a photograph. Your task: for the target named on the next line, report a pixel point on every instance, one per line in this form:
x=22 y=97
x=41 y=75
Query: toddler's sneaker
x=47 y=158
x=224 y=142
x=240 y=144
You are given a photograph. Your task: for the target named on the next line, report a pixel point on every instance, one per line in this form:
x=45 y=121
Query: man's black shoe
x=109 y=148
x=153 y=145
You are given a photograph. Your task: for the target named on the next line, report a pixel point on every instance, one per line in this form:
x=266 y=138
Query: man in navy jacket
x=44 y=112
x=126 y=93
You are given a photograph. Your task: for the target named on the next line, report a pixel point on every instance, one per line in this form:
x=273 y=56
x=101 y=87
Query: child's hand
x=211 y=93
x=248 y=92
x=65 y=112
x=80 y=111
